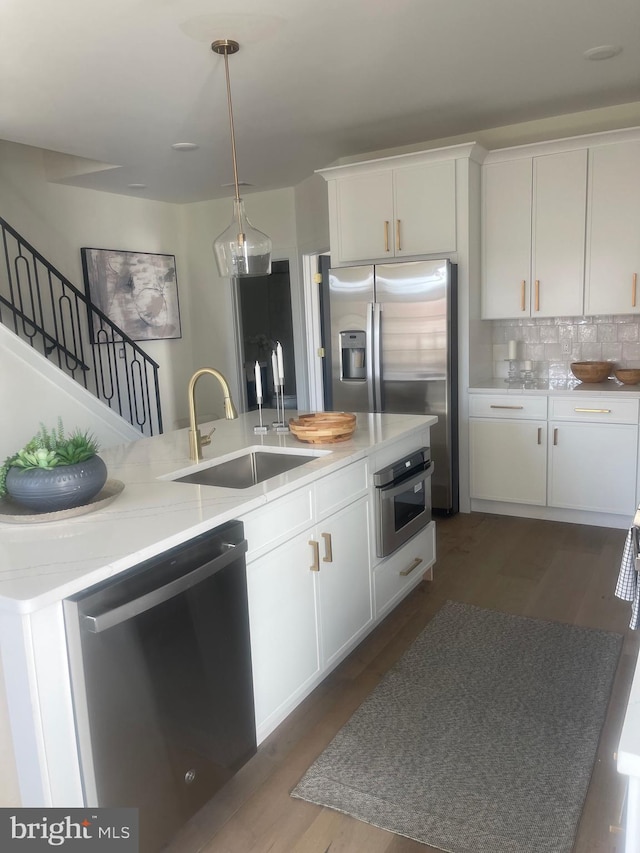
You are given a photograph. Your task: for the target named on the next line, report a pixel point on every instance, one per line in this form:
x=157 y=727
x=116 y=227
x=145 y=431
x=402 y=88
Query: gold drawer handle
x=594 y=411
x=634 y=289
x=537 y=306
x=555 y=437
x=386 y=235
x=409 y=569
x=328 y=552
x=315 y=566
x=523 y=286
x=398 y=243
x=492 y=406
x=539 y=435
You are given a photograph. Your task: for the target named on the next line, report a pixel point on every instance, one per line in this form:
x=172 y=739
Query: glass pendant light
x=241 y=250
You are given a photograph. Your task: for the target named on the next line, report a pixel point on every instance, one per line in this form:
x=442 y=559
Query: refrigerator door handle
x=377 y=357
x=369 y=357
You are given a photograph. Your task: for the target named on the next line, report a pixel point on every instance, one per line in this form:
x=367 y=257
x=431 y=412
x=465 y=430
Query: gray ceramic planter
x=59 y=488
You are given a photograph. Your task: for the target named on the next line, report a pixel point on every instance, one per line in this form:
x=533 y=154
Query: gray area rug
x=481 y=739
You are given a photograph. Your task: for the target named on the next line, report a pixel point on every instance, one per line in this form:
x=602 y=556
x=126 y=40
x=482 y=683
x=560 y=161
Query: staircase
x=47 y=311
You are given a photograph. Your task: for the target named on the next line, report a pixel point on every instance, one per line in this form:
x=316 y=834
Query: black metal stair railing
x=56 y=318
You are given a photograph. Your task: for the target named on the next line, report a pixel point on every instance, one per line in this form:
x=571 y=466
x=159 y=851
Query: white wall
x=59 y=220
x=41 y=393
x=213 y=321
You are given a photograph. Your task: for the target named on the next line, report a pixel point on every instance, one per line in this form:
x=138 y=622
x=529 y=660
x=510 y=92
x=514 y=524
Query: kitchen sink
x=247 y=470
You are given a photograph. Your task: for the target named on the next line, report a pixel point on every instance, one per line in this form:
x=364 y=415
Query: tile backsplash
x=552 y=343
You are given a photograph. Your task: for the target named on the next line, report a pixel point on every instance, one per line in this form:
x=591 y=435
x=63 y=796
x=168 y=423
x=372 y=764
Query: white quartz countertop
x=628 y=761
x=556 y=387
x=42 y=563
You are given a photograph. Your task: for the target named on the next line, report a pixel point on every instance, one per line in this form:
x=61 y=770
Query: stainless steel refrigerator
x=391 y=343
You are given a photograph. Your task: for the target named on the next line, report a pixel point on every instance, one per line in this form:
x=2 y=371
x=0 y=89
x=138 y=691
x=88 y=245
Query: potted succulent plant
x=54 y=471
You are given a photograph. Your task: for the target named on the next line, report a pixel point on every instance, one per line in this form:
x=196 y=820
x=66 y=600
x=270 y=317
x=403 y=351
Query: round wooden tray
x=323 y=427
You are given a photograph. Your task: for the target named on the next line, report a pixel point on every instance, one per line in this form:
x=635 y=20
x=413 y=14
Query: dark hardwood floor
x=541 y=569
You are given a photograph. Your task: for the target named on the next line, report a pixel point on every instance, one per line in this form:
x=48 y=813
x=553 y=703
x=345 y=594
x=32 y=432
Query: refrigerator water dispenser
x=353 y=344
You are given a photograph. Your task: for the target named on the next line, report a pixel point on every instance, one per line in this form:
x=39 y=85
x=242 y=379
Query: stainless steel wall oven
x=403 y=500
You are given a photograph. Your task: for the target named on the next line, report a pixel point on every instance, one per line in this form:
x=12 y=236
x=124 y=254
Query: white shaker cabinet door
x=284 y=639
x=593 y=466
x=425 y=209
x=506 y=238
x=364 y=227
x=344 y=579
x=559 y=221
x=508 y=460
x=613 y=237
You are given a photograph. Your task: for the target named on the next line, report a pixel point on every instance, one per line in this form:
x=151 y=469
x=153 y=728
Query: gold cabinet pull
x=634 y=289
x=398 y=243
x=593 y=411
x=411 y=567
x=494 y=406
x=523 y=289
x=315 y=566
x=539 y=435
x=386 y=235
x=555 y=436
x=537 y=295
x=328 y=553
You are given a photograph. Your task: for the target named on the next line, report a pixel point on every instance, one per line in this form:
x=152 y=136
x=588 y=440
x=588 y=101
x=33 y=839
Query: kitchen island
x=42 y=564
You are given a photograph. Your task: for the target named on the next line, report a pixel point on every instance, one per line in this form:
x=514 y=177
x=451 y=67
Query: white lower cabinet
x=508 y=460
x=394 y=576
x=343 y=579
x=508 y=448
x=311 y=585
x=584 y=457
x=284 y=637
x=593 y=467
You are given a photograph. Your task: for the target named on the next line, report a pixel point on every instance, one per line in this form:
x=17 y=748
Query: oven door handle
x=393 y=489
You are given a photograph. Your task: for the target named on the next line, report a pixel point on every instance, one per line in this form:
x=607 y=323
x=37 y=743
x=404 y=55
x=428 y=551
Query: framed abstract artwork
x=137 y=291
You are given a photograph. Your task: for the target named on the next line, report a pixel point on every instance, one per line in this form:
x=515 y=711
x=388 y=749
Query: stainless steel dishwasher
x=162 y=684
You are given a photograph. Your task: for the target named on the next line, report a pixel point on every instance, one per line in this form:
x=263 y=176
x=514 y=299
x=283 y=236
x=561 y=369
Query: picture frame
x=137 y=291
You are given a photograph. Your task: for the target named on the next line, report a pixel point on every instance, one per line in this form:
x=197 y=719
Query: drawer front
x=596 y=409
x=395 y=576
x=339 y=489
x=507 y=406
x=277 y=522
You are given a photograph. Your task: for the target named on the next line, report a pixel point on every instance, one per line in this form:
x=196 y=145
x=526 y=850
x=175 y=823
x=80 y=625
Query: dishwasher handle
x=111 y=618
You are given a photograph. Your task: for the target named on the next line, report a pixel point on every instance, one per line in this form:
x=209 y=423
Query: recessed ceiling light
x=137 y=186
x=603 y=51
x=184 y=146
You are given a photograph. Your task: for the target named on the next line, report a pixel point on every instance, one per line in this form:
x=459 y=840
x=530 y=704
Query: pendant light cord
x=233 y=135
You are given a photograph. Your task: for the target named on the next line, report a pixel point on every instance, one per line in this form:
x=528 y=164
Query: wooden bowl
x=627 y=375
x=323 y=427
x=591 y=371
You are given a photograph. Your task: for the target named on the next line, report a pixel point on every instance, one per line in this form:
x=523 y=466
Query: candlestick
x=258 y=373
x=280 y=362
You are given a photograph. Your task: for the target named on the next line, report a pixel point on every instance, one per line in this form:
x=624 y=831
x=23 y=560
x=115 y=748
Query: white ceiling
x=120 y=81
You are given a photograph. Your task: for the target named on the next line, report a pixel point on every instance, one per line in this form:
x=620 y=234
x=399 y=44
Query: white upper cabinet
x=533 y=235
x=395 y=213
x=396 y=207
x=506 y=238
x=613 y=232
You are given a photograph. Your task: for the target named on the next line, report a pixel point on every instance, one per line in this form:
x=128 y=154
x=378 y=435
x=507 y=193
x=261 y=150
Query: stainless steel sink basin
x=246 y=470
